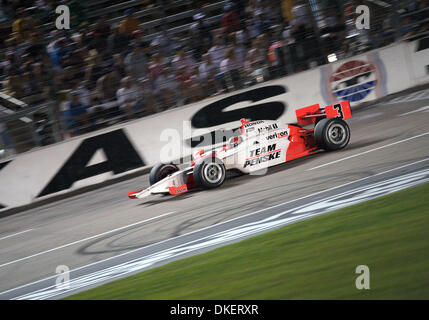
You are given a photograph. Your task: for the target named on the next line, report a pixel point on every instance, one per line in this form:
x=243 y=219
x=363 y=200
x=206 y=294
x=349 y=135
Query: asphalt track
x=102 y=235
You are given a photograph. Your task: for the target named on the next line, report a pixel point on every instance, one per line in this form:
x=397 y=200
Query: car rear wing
x=310 y=114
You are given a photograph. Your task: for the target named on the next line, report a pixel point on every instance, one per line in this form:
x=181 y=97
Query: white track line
x=15 y=234
x=401 y=101
x=415 y=96
x=86 y=239
x=422 y=109
x=365 y=152
x=214 y=225
x=423 y=94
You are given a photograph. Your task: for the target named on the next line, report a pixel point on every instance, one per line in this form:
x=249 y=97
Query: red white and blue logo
x=355 y=80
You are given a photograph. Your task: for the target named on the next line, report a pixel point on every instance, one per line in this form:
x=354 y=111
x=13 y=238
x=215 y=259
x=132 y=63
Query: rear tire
x=160 y=171
x=332 y=134
x=209 y=172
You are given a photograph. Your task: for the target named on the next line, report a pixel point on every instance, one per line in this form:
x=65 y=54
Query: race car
x=255 y=146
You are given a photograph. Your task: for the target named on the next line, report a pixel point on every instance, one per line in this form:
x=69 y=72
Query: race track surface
x=102 y=235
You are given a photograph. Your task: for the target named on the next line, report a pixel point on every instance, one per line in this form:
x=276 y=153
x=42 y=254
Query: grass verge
x=311 y=259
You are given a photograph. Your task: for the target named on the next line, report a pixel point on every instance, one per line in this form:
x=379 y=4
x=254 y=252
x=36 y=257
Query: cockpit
x=235 y=141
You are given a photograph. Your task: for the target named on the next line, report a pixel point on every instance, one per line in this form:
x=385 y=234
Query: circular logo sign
x=353 y=80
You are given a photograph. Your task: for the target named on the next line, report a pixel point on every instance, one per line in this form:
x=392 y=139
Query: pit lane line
x=368 y=151
x=85 y=239
x=215 y=225
x=15 y=234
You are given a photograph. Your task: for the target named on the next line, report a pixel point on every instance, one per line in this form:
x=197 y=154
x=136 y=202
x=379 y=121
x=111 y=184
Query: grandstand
x=122 y=60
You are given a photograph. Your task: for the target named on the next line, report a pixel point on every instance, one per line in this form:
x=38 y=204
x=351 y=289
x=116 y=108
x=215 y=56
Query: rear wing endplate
x=310 y=114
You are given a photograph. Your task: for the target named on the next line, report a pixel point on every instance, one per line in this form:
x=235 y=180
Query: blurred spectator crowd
x=98 y=73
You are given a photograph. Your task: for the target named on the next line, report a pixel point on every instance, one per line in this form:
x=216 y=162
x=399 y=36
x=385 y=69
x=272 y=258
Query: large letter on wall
x=120 y=153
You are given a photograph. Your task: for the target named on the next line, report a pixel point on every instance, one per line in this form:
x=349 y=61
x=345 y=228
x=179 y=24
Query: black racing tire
x=209 y=172
x=332 y=134
x=160 y=171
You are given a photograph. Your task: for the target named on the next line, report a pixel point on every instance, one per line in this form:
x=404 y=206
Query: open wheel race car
x=256 y=145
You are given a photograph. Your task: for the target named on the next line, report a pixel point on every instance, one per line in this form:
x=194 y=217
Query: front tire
x=209 y=172
x=332 y=134
x=160 y=171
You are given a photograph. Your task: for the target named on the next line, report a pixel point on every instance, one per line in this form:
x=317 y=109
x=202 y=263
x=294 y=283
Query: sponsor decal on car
x=247 y=125
x=277 y=135
x=178 y=190
x=261 y=151
x=268 y=128
x=264 y=158
x=263 y=154
x=282 y=134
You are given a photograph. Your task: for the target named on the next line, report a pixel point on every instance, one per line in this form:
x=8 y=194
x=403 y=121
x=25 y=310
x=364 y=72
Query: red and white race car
x=255 y=146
